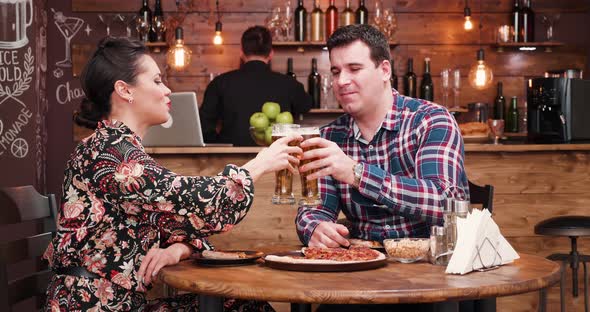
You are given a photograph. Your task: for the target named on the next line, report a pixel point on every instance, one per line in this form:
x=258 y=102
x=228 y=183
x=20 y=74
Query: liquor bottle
x=290 y=72
x=300 y=22
x=410 y=80
x=144 y=21
x=511 y=124
x=347 y=15
x=362 y=14
x=499 y=103
x=331 y=19
x=426 y=86
x=158 y=29
x=528 y=22
x=516 y=21
x=393 y=76
x=314 y=84
x=317 y=22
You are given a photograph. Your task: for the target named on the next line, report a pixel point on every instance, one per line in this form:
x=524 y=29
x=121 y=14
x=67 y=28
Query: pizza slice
x=365 y=243
x=223 y=255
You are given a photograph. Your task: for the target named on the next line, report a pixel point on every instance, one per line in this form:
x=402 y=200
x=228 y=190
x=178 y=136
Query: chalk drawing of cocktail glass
x=68 y=26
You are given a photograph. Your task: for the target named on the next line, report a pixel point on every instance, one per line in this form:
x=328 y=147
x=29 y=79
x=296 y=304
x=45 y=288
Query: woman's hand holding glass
x=279 y=155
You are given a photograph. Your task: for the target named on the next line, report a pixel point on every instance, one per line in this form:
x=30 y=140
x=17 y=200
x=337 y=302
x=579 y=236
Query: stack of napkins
x=479 y=244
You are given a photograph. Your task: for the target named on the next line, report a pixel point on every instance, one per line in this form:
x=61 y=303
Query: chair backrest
x=27 y=224
x=483 y=195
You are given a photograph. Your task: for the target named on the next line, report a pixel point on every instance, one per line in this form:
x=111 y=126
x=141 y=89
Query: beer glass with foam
x=284 y=178
x=310 y=195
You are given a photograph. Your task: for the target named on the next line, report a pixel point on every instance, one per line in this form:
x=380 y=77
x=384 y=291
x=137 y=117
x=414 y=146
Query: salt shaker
x=438 y=246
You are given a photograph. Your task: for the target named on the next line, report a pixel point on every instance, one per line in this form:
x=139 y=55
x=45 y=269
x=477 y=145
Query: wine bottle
x=393 y=76
x=144 y=21
x=511 y=124
x=499 y=103
x=516 y=21
x=410 y=80
x=347 y=15
x=158 y=29
x=331 y=18
x=426 y=86
x=314 y=84
x=528 y=22
x=300 y=22
x=317 y=29
x=290 y=72
x=362 y=14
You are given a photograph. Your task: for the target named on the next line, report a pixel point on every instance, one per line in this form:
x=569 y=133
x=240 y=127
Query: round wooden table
x=392 y=284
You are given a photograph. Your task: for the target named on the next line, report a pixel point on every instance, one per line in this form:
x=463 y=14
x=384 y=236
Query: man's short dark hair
x=376 y=40
x=257 y=40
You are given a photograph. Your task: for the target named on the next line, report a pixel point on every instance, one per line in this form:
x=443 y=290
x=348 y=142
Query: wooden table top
x=394 y=283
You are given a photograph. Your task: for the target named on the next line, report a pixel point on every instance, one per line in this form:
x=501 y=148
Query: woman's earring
x=130 y=100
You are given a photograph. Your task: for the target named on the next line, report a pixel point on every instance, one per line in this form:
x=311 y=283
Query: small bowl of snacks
x=407 y=250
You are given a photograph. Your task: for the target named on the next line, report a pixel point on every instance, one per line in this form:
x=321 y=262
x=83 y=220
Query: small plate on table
x=227 y=257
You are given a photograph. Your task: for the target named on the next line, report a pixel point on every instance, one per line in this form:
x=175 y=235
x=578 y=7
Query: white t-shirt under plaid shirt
x=414 y=161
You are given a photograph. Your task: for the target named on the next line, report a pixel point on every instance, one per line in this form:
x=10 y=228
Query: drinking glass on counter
x=445 y=77
x=496 y=129
x=284 y=178
x=310 y=195
x=504 y=34
x=456 y=87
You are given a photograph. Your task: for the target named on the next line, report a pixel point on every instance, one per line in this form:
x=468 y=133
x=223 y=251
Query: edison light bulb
x=468 y=24
x=179 y=55
x=480 y=75
x=217 y=39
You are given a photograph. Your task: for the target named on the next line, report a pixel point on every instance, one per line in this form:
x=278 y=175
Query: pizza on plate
x=364 y=243
x=316 y=255
x=223 y=255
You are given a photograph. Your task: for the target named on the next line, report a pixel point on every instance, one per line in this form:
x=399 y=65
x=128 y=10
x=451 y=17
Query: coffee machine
x=558 y=110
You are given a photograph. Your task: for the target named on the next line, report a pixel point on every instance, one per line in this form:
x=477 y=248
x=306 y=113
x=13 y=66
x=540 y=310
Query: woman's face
x=150 y=96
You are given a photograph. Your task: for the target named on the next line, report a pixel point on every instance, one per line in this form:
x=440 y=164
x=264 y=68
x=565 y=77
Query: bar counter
x=532 y=183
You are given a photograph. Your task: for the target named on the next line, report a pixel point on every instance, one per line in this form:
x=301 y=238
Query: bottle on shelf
x=516 y=21
x=393 y=76
x=144 y=21
x=290 y=72
x=331 y=18
x=528 y=22
x=426 y=86
x=347 y=16
x=314 y=84
x=158 y=28
x=511 y=123
x=499 y=103
x=317 y=22
x=300 y=22
x=410 y=80
x=362 y=14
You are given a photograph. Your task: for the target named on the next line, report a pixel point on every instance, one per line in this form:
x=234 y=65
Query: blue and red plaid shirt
x=414 y=161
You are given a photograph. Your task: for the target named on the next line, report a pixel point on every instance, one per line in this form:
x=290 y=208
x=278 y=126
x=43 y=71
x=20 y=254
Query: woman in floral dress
x=123 y=216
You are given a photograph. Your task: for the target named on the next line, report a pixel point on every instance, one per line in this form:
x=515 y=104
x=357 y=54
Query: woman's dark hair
x=114 y=59
x=369 y=35
x=257 y=40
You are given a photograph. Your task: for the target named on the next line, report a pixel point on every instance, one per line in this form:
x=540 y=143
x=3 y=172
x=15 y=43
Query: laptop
x=184 y=126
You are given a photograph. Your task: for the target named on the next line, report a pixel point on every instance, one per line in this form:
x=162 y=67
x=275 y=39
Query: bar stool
x=573 y=227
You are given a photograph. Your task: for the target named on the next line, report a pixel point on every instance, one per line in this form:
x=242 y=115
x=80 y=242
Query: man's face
x=358 y=84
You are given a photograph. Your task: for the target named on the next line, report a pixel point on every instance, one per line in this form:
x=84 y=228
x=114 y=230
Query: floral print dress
x=117 y=204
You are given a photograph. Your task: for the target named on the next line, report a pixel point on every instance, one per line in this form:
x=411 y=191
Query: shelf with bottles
x=547 y=46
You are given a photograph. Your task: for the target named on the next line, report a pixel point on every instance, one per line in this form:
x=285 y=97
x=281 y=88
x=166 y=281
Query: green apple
x=284 y=118
x=268 y=135
x=271 y=109
x=259 y=121
x=259 y=136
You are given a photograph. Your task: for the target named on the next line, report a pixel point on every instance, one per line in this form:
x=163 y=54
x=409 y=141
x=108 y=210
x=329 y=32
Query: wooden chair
x=27 y=224
x=482 y=195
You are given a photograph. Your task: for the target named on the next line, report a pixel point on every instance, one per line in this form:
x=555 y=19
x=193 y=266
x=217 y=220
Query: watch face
x=358 y=169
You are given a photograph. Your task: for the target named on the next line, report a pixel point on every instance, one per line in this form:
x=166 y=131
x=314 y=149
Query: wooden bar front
x=532 y=183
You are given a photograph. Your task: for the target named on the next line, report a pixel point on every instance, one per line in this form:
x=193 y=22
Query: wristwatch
x=357 y=169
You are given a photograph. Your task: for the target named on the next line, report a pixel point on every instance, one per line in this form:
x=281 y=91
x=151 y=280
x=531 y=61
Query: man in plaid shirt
x=389 y=162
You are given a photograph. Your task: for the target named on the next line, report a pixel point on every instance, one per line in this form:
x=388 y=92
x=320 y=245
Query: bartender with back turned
x=234 y=96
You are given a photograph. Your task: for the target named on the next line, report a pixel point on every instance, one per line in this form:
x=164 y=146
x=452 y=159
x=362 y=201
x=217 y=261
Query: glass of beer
x=284 y=178
x=310 y=196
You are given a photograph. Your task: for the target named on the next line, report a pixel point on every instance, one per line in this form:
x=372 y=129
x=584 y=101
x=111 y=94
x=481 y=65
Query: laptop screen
x=184 y=126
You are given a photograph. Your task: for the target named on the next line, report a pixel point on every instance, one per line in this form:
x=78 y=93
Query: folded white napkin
x=479 y=244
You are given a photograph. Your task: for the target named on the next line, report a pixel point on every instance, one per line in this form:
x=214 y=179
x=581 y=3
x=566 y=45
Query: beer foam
x=309 y=131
